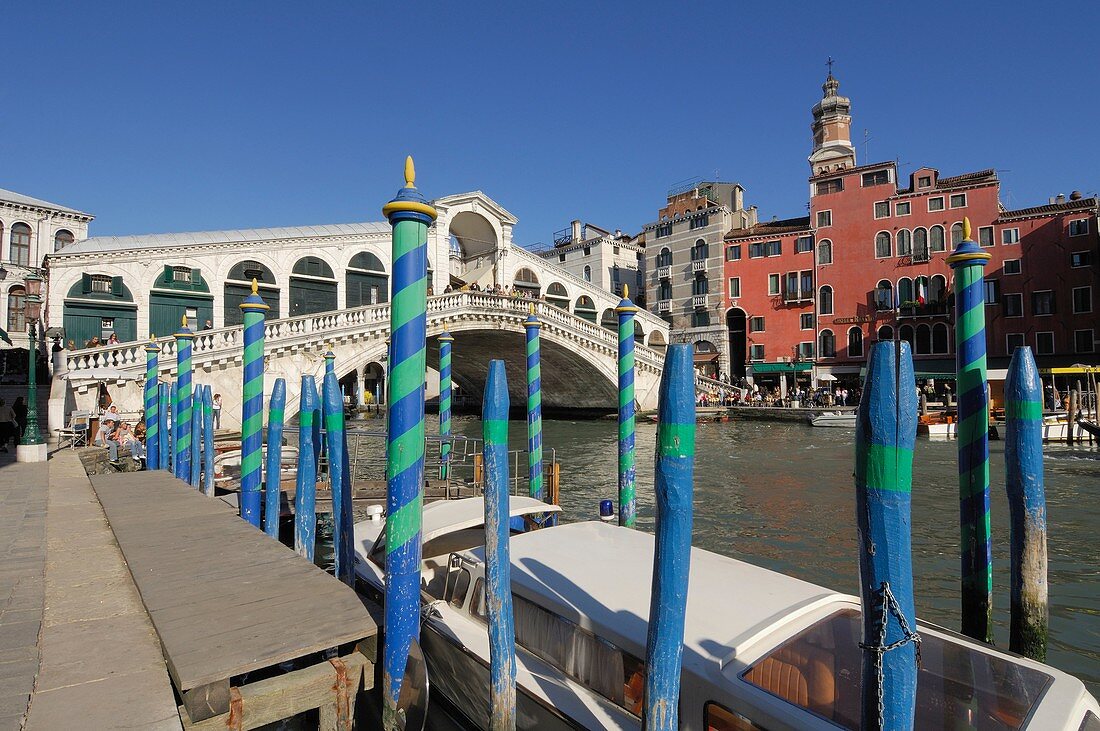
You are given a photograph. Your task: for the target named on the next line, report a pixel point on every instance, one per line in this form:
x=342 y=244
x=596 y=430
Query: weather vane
x=829 y=62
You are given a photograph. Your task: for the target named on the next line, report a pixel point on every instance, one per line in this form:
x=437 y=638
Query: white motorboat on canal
x=761 y=650
x=841 y=419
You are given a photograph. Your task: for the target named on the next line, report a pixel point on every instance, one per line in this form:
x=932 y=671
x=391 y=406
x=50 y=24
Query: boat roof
x=599 y=576
x=447 y=516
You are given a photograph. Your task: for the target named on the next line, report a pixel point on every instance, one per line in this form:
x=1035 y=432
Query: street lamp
x=32 y=448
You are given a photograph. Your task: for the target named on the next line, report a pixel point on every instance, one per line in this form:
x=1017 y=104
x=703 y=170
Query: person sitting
x=107 y=436
x=129 y=441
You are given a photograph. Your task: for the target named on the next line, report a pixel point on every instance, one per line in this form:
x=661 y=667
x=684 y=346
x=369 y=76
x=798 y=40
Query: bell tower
x=833 y=149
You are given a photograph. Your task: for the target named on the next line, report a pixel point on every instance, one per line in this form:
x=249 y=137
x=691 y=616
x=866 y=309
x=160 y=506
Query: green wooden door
x=235 y=295
x=166 y=309
x=83 y=320
x=367 y=289
x=309 y=295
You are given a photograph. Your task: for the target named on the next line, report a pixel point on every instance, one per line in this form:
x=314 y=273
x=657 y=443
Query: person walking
x=216 y=407
x=8 y=426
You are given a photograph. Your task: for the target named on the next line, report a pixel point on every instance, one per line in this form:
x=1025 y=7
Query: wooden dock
x=230 y=606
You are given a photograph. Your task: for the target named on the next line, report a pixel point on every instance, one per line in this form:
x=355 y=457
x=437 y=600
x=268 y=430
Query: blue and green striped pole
x=252 y=406
x=339 y=480
x=196 y=440
x=410 y=215
x=164 y=448
x=152 y=404
x=968 y=261
x=498 y=567
x=675 y=467
x=886 y=432
x=534 y=405
x=628 y=504
x=181 y=416
x=272 y=489
x=305 y=489
x=207 y=441
x=445 y=341
x=1027 y=506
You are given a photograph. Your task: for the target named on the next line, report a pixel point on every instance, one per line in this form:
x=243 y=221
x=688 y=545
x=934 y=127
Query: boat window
x=590 y=660
x=719 y=718
x=477 y=603
x=460 y=587
x=958 y=686
x=1089 y=723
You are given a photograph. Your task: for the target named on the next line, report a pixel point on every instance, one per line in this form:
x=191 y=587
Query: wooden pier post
x=1071 y=413
x=208 y=441
x=152 y=404
x=252 y=405
x=410 y=215
x=445 y=341
x=272 y=490
x=628 y=504
x=532 y=326
x=196 y=440
x=1026 y=506
x=498 y=595
x=673 y=477
x=305 y=489
x=181 y=415
x=968 y=261
x=164 y=447
x=339 y=480
x=886 y=432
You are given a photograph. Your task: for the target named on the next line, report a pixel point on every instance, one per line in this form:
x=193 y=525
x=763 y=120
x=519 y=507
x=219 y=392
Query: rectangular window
x=806 y=321
x=806 y=350
x=1080 y=259
x=181 y=274
x=1013 y=341
x=830 y=186
x=1012 y=266
x=1010 y=235
x=806 y=284
x=1080 y=227
x=876 y=177
x=790 y=286
x=699 y=286
x=700 y=221
x=700 y=318
x=101 y=283
x=958 y=200
x=773 y=248
x=735 y=287
x=824 y=218
x=1042 y=302
x=733 y=253
x=722 y=719
x=935 y=204
x=192 y=314
x=756 y=324
x=903 y=209
x=1082 y=300
x=756 y=352
x=985 y=236
x=1013 y=305
x=773 y=284
x=924 y=181
x=664 y=229
x=1044 y=343
x=803 y=244
x=882 y=209
x=561 y=258
x=588 y=251
x=756 y=250
x=992 y=291
x=1083 y=341
x=107 y=324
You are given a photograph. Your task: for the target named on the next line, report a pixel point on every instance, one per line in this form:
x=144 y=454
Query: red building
x=870 y=264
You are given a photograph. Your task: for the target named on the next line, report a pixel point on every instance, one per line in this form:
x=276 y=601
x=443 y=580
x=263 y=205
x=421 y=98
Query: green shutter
x=167 y=275
x=196 y=279
x=116 y=286
x=85 y=283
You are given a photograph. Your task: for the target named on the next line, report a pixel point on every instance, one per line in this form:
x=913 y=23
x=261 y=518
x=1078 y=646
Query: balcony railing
x=931 y=309
x=664 y=306
x=699 y=265
x=699 y=301
x=664 y=272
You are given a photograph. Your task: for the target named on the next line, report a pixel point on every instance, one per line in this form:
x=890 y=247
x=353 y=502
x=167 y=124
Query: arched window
x=905 y=332
x=920 y=244
x=699 y=250
x=587 y=273
x=664 y=258
x=920 y=289
x=664 y=290
x=935 y=239
x=526 y=280
x=557 y=295
x=905 y=291
x=825 y=301
x=585 y=308
x=855 y=342
x=825 y=252
x=886 y=333
x=937 y=289
x=882 y=244
x=17 y=307
x=312 y=266
x=609 y=319
x=21 y=244
x=368 y=262
x=884 y=295
x=956 y=234
x=366 y=281
x=939 y=338
x=923 y=343
x=62 y=238
x=905 y=243
x=828 y=344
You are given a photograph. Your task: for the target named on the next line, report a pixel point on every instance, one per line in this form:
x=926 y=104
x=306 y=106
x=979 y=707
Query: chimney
x=577 y=225
x=1061 y=198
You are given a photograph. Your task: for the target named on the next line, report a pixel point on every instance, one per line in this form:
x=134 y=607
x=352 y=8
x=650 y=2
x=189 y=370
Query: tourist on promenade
x=20 y=409
x=72 y=344
x=216 y=407
x=107 y=436
x=113 y=340
x=93 y=343
x=8 y=427
x=208 y=325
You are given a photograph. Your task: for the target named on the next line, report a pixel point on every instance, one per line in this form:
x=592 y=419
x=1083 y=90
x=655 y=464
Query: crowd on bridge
x=497 y=289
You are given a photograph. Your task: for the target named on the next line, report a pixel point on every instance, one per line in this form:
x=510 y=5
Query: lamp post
x=32 y=448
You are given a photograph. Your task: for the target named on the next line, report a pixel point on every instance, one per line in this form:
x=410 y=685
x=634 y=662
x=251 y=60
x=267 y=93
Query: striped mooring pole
x=339 y=480
x=305 y=488
x=1027 y=506
x=181 y=415
x=498 y=571
x=152 y=404
x=196 y=440
x=628 y=504
x=272 y=491
x=534 y=405
x=675 y=467
x=445 y=341
x=164 y=448
x=968 y=261
x=886 y=433
x=410 y=215
x=207 y=441
x=252 y=406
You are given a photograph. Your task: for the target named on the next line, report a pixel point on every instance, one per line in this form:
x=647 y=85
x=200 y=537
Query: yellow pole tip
x=183 y=320
x=410 y=172
x=152 y=337
x=626 y=291
x=532 y=308
x=255 y=286
x=966 y=228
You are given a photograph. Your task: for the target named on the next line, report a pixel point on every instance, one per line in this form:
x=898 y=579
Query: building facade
x=606 y=259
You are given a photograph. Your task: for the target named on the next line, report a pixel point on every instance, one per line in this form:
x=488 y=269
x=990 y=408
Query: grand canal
x=782 y=496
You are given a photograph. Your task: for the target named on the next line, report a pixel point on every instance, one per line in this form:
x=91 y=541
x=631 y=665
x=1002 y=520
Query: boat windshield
x=958 y=686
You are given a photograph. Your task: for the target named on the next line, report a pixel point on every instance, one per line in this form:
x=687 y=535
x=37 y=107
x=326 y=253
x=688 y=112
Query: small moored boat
x=841 y=419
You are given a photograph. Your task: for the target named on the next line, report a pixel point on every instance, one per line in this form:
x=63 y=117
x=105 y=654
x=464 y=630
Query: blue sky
x=207 y=115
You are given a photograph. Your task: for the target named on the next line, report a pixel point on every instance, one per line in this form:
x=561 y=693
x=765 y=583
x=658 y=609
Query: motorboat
x=762 y=650
x=227 y=464
x=841 y=419
x=937 y=425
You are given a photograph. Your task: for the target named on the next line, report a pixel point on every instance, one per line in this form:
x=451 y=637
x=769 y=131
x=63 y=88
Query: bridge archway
x=706 y=358
x=366 y=280
x=585 y=308
x=657 y=341
x=238 y=285
x=527 y=281
x=609 y=319
x=374 y=382
x=557 y=295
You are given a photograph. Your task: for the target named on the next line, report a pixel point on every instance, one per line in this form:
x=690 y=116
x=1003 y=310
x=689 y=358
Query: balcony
x=931 y=309
x=664 y=307
x=699 y=301
x=664 y=272
x=699 y=265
